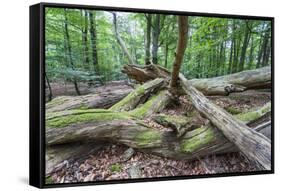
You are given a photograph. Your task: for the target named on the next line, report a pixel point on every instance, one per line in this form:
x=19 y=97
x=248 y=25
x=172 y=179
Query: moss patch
x=49 y=180
x=147 y=137
x=192 y=144
x=141 y=111
x=253 y=115
x=82 y=116
x=128 y=99
x=116 y=168
x=233 y=110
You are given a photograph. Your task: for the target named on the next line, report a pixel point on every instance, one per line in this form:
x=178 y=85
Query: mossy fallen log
x=139 y=95
x=81 y=136
x=97 y=100
x=254 y=145
x=223 y=85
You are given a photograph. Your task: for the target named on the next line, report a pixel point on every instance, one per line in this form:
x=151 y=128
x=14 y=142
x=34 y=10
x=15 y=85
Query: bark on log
x=98 y=100
x=84 y=127
x=223 y=85
x=254 y=145
x=138 y=96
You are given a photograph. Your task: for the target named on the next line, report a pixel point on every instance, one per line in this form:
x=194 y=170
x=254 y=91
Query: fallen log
x=98 y=100
x=75 y=130
x=254 y=145
x=223 y=85
x=138 y=96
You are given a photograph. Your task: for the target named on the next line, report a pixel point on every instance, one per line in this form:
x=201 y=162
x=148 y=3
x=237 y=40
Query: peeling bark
x=223 y=85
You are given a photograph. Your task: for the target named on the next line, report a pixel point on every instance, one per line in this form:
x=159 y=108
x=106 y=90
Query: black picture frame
x=37 y=94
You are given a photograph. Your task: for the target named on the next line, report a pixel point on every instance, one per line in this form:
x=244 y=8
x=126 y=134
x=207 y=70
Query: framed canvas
x=123 y=95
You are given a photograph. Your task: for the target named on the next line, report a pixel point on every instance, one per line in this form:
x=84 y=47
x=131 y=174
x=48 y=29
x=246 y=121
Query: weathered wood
x=223 y=85
x=139 y=95
x=254 y=145
x=95 y=125
x=97 y=100
x=154 y=104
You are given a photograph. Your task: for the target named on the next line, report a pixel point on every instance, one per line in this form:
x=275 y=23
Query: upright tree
x=69 y=50
x=84 y=31
x=181 y=46
x=148 y=38
x=93 y=33
x=155 y=38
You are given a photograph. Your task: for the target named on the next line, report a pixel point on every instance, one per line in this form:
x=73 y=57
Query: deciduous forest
x=138 y=95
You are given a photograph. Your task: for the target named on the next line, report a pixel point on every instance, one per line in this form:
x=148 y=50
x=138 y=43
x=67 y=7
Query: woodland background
x=81 y=45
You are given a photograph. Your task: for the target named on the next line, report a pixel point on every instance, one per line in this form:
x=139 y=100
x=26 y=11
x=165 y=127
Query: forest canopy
x=81 y=45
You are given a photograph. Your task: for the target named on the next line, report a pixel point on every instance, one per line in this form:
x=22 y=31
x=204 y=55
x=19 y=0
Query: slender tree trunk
x=155 y=39
x=148 y=39
x=93 y=33
x=85 y=37
x=265 y=48
x=181 y=46
x=49 y=87
x=120 y=40
x=251 y=55
x=166 y=54
x=244 y=47
x=68 y=45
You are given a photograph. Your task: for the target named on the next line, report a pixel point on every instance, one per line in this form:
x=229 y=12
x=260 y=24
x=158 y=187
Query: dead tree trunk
x=75 y=133
x=254 y=145
x=223 y=85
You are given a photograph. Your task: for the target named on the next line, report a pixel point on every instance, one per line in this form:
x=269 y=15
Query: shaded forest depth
x=83 y=46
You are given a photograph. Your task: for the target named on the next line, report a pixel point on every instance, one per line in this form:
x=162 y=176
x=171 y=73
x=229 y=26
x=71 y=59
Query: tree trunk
x=155 y=38
x=84 y=32
x=68 y=45
x=120 y=40
x=247 y=36
x=49 y=87
x=254 y=145
x=104 y=99
x=139 y=95
x=148 y=39
x=181 y=46
x=223 y=85
x=196 y=142
x=93 y=34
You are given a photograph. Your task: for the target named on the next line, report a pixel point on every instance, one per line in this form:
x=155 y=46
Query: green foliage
x=216 y=46
x=116 y=168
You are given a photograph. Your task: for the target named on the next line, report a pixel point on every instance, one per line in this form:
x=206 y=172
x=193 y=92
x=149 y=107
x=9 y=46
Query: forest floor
x=113 y=162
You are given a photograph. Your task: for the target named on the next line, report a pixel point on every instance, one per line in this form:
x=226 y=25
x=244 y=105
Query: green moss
x=82 y=116
x=56 y=101
x=249 y=116
x=147 y=137
x=266 y=108
x=49 y=180
x=83 y=106
x=137 y=92
x=233 y=110
x=141 y=111
x=192 y=144
x=116 y=168
x=252 y=115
